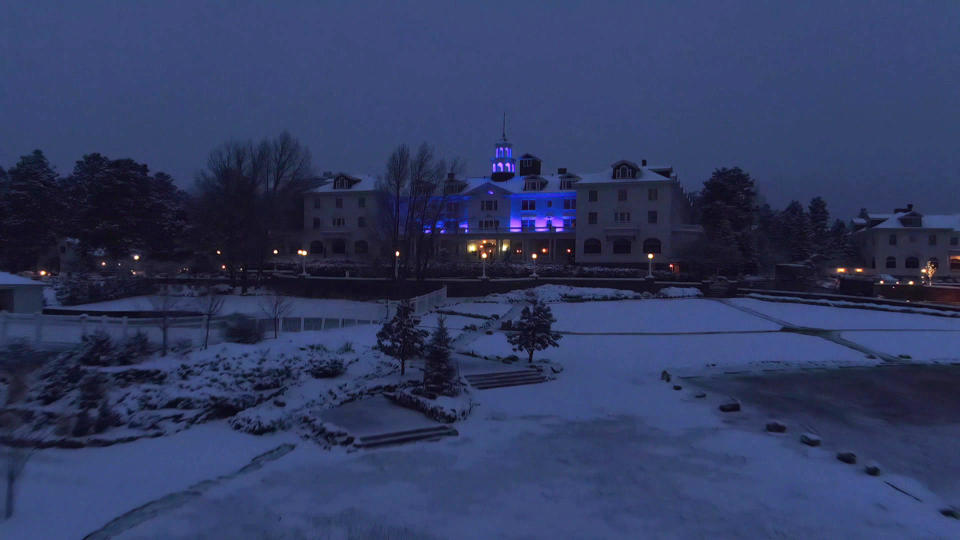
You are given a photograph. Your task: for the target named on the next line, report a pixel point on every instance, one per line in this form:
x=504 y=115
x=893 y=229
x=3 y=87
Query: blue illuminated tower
x=502 y=165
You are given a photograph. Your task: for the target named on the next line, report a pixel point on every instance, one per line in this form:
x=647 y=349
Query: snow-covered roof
x=359 y=182
x=929 y=221
x=11 y=279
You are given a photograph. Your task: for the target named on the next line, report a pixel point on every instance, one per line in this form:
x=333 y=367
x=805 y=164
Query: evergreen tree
x=795 y=226
x=819 y=223
x=727 y=208
x=439 y=375
x=400 y=337
x=533 y=332
x=30 y=211
x=837 y=240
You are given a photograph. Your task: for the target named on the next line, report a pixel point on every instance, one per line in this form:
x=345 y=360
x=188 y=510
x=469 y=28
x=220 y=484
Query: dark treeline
x=247 y=202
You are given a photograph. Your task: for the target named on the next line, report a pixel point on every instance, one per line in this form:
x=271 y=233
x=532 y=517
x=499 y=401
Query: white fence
x=421 y=304
x=65 y=330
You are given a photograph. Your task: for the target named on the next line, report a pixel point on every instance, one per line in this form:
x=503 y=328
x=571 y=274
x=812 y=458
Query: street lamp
x=483 y=263
x=303 y=253
x=136 y=257
x=219 y=253
x=649 y=265
x=534 y=274
x=396 y=265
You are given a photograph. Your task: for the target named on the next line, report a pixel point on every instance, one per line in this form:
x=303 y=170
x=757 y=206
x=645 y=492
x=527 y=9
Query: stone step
x=501 y=374
x=405 y=437
x=506 y=383
x=441 y=427
x=500 y=379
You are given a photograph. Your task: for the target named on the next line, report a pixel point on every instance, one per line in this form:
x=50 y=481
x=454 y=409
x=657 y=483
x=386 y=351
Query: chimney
x=450 y=176
x=909 y=207
x=643 y=163
x=562 y=170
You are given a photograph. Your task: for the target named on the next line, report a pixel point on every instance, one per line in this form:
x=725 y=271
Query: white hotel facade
x=903 y=242
x=616 y=216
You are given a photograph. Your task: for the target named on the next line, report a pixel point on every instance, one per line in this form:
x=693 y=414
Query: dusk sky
x=856 y=101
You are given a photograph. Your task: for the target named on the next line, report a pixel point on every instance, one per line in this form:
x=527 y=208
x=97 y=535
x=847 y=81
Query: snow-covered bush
x=241 y=328
x=95 y=349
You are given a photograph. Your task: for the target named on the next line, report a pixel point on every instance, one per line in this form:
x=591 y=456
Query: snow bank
x=679 y=292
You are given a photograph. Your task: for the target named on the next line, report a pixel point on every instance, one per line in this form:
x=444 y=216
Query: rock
x=951 y=513
x=847 y=457
x=732 y=406
x=872 y=469
x=677 y=387
x=700 y=395
x=810 y=439
x=556 y=369
x=776 y=427
x=279 y=403
x=905 y=356
x=665 y=376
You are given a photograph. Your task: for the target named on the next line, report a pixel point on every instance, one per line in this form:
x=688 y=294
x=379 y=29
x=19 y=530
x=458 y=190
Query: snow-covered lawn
x=847 y=318
x=253 y=305
x=482 y=309
x=917 y=345
x=606 y=450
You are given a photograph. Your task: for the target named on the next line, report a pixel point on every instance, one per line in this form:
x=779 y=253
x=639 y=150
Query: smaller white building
x=903 y=242
x=20 y=295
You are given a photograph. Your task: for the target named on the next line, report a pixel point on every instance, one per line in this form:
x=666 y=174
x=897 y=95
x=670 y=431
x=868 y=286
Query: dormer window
x=532 y=184
x=566 y=184
x=341 y=183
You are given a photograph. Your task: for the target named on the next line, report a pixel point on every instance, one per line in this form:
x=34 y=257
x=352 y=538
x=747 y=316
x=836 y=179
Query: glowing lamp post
x=303 y=254
x=396 y=265
x=534 y=274
x=275 y=253
x=649 y=265
x=483 y=263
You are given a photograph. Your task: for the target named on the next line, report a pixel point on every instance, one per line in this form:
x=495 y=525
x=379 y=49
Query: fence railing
x=421 y=304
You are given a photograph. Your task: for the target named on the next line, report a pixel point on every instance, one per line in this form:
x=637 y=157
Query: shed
x=20 y=295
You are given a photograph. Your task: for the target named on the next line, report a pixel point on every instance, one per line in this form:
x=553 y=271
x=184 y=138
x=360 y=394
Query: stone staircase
x=500 y=379
x=399 y=437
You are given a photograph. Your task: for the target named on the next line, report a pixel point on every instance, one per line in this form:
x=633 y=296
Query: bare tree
x=163 y=302
x=394 y=187
x=209 y=305
x=17 y=361
x=276 y=306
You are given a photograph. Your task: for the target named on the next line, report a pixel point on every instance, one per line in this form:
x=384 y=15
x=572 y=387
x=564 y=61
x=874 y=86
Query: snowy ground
x=606 y=450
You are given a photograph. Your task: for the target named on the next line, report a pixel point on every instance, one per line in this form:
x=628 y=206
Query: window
x=652 y=194
x=621 y=194
x=893 y=241
x=528 y=224
x=954 y=263
x=362 y=202
x=453 y=208
x=317 y=203
x=489 y=224
x=622 y=172
x=569 y=223
x=339 y=222
x=891 y=262
x=528 y=205
x=911 y=262
x=652 y=245
x=621 y=246
x=592 y=218
x=532 y=185
x=339 y=203
x=341 y=183
x=569 y=204
x=549 y=204
x=954 y=240
x=489 y=205
x=361 y=221
x=621 y=217
x=592 y=246
x=340 y=246
x=317 y=223
x=932 y=240
x=360 y=247
x=592 y=195
x=566 y=184
x=652 y=216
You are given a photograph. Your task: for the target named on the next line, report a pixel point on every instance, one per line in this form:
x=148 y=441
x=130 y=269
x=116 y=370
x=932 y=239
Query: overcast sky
x=858 y=102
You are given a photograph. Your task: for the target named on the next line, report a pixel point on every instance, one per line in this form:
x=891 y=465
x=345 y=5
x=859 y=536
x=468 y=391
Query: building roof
x=11 y=279
x=360 y=182
x=929 y=221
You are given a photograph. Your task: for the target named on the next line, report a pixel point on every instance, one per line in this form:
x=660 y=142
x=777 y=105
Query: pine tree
x=819 y=221
x=400 y=337
x=727 y=206
x=796 y=231
x=439 y=375
x=533 y=332
x=30 y=211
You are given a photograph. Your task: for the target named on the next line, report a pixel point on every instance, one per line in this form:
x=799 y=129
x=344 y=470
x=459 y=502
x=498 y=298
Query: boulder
x=732 y=406
x=951 y=513
x=776 y=427
x=872 y=469
x=677 y=387
x=700 y=395
x=665 y=376
x=810 y=439
x=847 y=457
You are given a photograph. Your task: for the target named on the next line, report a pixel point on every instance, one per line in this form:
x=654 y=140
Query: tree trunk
x=163 y=330
x=530 y=359
x=403 y=367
